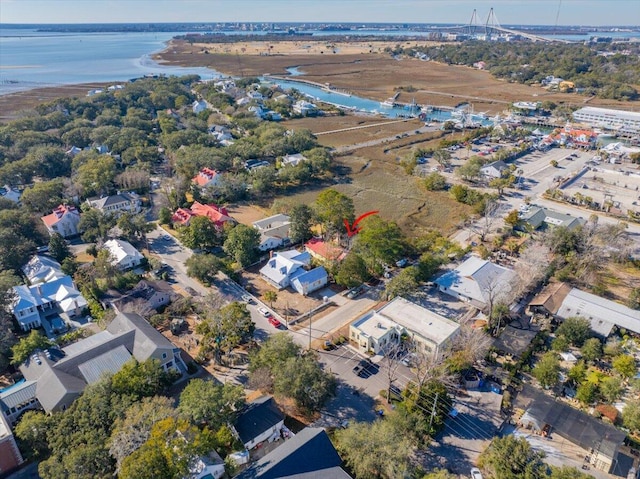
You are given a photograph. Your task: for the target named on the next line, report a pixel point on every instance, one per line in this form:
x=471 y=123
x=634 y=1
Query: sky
x=526 y=12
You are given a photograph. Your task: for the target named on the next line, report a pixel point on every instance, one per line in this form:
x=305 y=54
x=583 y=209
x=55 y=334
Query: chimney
x=39 y=289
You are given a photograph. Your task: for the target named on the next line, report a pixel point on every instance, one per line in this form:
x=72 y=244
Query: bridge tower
x=472 y=27
x=492 y=25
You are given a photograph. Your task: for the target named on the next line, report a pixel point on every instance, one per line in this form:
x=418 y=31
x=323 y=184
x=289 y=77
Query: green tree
x=631 y=415
x=96 y=175
x=200 y=234
x=225 y=329
x=134 y=226
x=351 y=271
x=32 y=430
x=587 y=392
x=27 y=345
x=403 y=284
x=591 y=349
x=624 y=365
x=277 y=349
x=442 y=157
x=58 y=247
x=44 y=196
x=575 y=329
x=379 y=242
x=547 y=370
x=270 y=296
x=578 y=372
x=303 y=379
x=95 y=225
x=141 y=379
x=431 y=402
x=634 y=299
x=206 y=402
x=203 y=267
x=512 y=218
x=164 y=216
x=470 y=170
x=511 y=457
x=301 y=221
x=332 y=208
x=388 y=449
x=242 y=244
x=435 y=182
x=611 y=389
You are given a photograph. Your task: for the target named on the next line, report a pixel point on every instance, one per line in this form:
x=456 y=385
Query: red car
x=274 y=322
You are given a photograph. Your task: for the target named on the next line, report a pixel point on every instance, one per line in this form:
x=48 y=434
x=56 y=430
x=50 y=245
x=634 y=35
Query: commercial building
x=609 y=118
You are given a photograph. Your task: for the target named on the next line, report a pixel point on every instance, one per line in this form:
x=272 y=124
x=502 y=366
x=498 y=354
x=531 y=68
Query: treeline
x=611 y=75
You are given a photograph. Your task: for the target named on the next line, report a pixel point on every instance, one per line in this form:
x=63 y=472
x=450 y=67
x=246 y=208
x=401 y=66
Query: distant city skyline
x=525 y=12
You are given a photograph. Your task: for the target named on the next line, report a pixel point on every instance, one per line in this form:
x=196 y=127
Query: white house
x=63 y=220
x=10 y=193
x=478 y=281
x=305 y=108
x=293 y=160
x=379 y=330
x=495 y=169
x=207 y=178
x=42 y=269
x=287 y=268
x=73 y=151
x=199 y=106
x=274 y=231
x=121 y=202
x=30 y=301
x=123 y=254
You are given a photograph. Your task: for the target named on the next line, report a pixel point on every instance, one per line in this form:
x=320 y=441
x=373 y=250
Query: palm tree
x=270 y=296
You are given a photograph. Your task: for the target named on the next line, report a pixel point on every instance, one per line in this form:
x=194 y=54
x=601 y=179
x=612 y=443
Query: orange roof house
x=206 y=177
x=217 y=214
x=323 y=251
x=63 y=220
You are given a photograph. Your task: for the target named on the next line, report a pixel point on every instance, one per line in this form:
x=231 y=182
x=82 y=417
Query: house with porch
x=380 y=330
x=121 y=202
x=274 y=231
x=495 y=169
x=42 y=269
x=290 y=268
x=535 y=218
x=324 y=251
x=261 y=421
x=123 y=255
x=217 y=214
x=64 y=220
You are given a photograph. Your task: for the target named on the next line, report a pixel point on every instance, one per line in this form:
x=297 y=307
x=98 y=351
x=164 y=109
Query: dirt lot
x=372 y=75
x=246 y=213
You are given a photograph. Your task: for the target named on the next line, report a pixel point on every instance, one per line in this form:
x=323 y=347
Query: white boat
x=388 y=103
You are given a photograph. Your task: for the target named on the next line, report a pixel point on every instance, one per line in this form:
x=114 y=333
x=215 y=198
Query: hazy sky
x=567 y=12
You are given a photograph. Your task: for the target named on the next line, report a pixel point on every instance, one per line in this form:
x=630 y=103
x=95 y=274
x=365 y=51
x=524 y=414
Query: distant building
x=64 y=220
x=379 y=330
x=199 y=106
x=495 y=169
x=9 y=193
x=305 y=108
x=274 y=231
x=476 y=280
x=62 y=375
x=217 y=214
x=575 y=138
x=536 y=217
x=123 y=254
x=608 y=118
x=293 y=160
x=125 y=202
x=206 y=178
x=150 y=295
x=288 y=268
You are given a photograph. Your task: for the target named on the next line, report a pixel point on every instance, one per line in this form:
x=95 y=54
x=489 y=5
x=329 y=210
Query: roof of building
x=603 y=313
x=477 y=279
x=120 y=250
x=205 y=176
x=283 y=264
x=54 y=290
x=624 y=115
x=498 y=165
x=53 y=386
x=576 y=426
x=109 y=362
x=58 y=213
x=293 y=159
x=111 y=200
x=514 y=341
x=275 y=221
x=40 y=268
x=260 y=416
x=308 y=455
x=551 y=297
x=311 y=276
x=20 y=393
x=323 y=249
x=536 y=216
x=147 y=338
x=217 y=214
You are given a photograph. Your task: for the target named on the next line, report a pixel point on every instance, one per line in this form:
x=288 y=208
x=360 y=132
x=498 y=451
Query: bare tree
x=488 y=216
x=531 y=268
x=392 y=351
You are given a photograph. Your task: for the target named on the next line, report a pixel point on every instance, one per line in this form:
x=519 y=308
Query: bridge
x=492 y=27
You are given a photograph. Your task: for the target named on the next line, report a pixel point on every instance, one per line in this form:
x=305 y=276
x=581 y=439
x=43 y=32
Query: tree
x=435 y=182
x=511 y=457
x=203 y=267
x=164 y=216
x=587 y=392
x=140 y=379
x=23 y=349
x=488 y=216
x=634 y=299
x=379 y=242
x=611 y=389
x=270 y=296
x=431 y=402
x=624 y=365
x=133 y=429
x=575 y=329
x=512 y=218
x=32 y=430
x=442 y=157
x=577 y=373
x=95 y=225
x=631 y=415
x=96 y=176
x=135 y=226
x=351 y=271
x=206 y=402
x=301 y=221
x=58 y=247
x=201 y=233
x=225 y=329
x=242 y=244
x=303 y=380
x=470 y=170
x=43 y=196
x=547 y=370
x=403 y=284
x=591 y=349
x=277 y=349
x=332 y=208
x=388 y=449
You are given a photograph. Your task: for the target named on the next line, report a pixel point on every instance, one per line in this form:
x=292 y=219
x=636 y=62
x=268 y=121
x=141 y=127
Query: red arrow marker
x=351 y=229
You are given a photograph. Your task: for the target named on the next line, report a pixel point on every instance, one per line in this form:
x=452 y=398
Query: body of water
x=30 y=59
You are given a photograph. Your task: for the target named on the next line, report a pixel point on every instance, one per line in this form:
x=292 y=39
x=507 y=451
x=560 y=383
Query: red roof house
x=217 y=214
x=206 y=177
x=320 y=249
x=63 y=220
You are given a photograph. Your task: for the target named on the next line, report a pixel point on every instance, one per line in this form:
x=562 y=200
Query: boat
x=388 y=103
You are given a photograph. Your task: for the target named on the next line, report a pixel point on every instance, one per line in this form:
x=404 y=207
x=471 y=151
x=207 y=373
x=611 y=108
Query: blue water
x=30 y=59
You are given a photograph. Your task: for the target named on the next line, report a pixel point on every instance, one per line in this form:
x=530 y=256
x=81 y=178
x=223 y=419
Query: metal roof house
x=476 y=280
x=537 y=217
x=41 y=269
x=274 y=231
x=123 y=254
x=308 y=455
x=62 y=375
x=121 y=202
x=288 y=268
x=377 y=330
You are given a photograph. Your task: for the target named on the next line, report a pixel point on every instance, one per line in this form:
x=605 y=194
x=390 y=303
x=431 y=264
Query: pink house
x=206 y=177
x=63 y=220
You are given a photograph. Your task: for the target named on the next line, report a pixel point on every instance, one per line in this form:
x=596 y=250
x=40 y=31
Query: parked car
x=475 y=473
x=402 y=263
x=357 y=291
x=264 y=312
x=274 y=322
x=247 y=299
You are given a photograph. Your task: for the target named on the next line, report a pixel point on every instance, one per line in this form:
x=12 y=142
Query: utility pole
x=309 y=329
x=433 y=411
